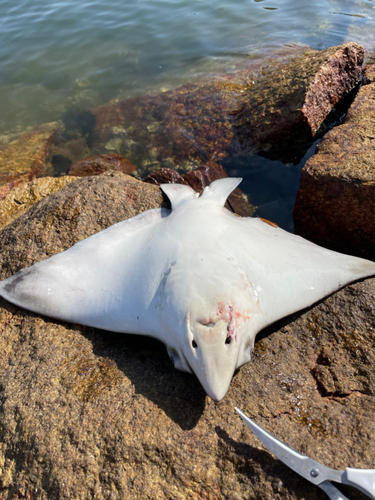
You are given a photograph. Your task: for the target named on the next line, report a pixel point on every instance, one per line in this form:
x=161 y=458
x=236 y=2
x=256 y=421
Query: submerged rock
x=26 y=157
x=95 y=165
x=335 y=203
x=92 y=414
x=201 y=177
x=165 y=176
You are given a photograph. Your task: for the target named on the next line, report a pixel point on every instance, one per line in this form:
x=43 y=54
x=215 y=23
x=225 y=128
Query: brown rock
x=335 y=203
x=24 y=196
x=178 y=126
x=94 y=414
x=26 y=157
x=95 y=165
x=369 y=74
x=65 y=153
x=165 y=176
x=291 y=103
x=201 y=177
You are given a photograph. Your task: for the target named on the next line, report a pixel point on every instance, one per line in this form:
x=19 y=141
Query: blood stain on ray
x=234 y=318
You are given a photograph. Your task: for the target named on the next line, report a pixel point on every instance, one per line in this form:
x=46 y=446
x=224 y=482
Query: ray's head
x=210 y=306
x=215 y=340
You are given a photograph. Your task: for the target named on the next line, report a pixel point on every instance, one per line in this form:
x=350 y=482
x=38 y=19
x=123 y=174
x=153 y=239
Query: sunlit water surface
x=57 y=53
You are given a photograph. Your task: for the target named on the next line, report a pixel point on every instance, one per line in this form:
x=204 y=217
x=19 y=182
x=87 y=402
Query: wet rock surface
x=92 y=414
x=335 y=203
x=26 y=157
x=201 y=177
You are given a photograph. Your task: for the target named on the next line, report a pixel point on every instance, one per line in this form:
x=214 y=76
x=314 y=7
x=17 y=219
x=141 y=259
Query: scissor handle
x=362 y=479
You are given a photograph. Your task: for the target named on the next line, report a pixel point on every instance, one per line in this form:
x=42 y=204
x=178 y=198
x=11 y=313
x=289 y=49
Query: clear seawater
x=57 y=53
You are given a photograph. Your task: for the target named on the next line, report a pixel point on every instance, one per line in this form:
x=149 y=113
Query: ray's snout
x=213 y=355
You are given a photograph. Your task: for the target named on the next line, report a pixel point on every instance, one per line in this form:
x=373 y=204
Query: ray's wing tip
x=363 y=267
x=369 y=266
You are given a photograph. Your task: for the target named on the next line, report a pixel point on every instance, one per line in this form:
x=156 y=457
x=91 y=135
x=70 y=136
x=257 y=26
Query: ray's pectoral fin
x=92 y=283
x=300 y=273
x=12 y=289
x=35 y=289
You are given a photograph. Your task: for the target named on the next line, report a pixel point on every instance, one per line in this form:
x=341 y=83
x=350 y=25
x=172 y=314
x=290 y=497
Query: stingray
x=199 y=278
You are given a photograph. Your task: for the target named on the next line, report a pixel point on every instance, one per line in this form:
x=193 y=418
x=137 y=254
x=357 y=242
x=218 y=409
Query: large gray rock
x=92 y=414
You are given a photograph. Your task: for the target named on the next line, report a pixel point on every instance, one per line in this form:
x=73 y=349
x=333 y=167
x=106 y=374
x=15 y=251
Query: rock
x=369 y=74
x=191 y=122
x=165 y=176
x=201 y=177
x=26 y=157
x=95 y=165
x=68 y=152
x=291 y=103
x=92 y=414
x=335 y=203
x=274 y=105
x=24 y=196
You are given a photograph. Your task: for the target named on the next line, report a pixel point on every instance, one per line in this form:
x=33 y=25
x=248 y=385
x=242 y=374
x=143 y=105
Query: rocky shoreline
x=93 y=414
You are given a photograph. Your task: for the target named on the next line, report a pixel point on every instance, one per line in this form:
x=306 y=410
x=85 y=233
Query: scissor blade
x=304 y=466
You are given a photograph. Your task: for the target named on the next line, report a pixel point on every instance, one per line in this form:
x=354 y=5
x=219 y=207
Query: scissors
x=318 y=474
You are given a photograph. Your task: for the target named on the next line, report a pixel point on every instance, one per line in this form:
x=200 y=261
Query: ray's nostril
x=194 y=344
x=228 y=340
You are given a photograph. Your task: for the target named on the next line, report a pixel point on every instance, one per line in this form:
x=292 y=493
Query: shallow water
x=55 y=54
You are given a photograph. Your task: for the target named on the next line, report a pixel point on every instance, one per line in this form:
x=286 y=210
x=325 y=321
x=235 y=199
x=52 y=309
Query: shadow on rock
x=251 y=459
x=254 y=463
x=145 y=362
